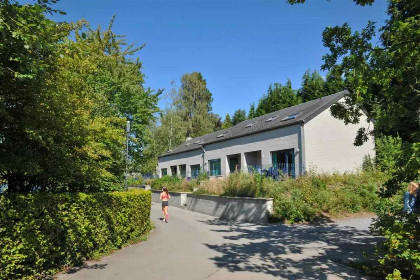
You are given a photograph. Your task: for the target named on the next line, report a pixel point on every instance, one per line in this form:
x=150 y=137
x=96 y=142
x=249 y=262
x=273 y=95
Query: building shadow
x=292 y=251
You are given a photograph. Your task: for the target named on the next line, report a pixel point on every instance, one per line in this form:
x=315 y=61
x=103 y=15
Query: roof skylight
x=290 y=117
x=271 y=118
x=250 y=124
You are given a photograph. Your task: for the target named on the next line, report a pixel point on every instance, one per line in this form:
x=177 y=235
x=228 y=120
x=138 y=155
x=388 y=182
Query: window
x=174 y=170
x=214 y=167
x=271 y=119
x=290 y=117
x=183 y=171
x=164 y=171
x=195 y=170
x=250 y=124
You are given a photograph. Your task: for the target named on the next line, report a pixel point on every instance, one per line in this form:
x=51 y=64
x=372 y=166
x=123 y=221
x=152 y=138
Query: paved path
x=196 y=246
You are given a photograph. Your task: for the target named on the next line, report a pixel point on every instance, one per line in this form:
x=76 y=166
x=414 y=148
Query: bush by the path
x=41 y=233
x=308 y=196
x=173 y=183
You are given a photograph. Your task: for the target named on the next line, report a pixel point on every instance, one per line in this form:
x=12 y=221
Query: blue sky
x=240 y=46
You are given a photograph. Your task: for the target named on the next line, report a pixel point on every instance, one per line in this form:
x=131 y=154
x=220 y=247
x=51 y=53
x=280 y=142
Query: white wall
x=329 y=144
x=189 y=158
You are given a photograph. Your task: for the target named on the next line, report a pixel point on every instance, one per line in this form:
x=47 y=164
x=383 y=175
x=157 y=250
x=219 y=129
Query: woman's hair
x=412 y=187
x=165 y=190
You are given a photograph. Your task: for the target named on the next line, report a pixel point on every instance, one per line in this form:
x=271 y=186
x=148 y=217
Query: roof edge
x=326 y=106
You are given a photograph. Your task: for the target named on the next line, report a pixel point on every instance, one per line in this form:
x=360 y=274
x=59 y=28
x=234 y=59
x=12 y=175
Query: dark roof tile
x=304 y=112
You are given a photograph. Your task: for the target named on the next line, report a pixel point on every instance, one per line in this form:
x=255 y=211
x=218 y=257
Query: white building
x=294 y=140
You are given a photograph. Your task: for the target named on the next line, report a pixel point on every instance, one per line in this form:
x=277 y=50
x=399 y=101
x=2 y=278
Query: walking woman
x=164 y=196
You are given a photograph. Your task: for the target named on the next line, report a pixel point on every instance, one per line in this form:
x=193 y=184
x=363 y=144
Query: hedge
x=42 y=233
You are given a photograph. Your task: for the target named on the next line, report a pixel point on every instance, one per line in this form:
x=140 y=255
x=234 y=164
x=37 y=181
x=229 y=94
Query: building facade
x=293 y=140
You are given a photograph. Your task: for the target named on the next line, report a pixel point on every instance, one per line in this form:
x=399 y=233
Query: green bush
x=313 y=195
x=399 y=252
x=308 y=196
x=41 y=233
x=173 y=183
x=135 y=180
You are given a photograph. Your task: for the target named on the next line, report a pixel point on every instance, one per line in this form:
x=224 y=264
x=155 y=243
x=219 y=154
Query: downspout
x=203 y=150
x=302 y=162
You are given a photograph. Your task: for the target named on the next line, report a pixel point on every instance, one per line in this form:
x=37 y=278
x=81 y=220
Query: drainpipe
x=203 y=150
x=302 y=150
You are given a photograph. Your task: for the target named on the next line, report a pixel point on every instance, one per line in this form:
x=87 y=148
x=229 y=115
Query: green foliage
x=383 y=78
x=173 y=184
x=195 y=104
x=278 y=97
x=189 y=115
x=238 y=116
x=312 y=195
x=251 y=113
x=400 y=251
x=41 y=233
x=227 y=122
x=244 y=185
x=307 y=197
x=135 y=180
x=312 y=86
x=400 y=160
x=64 y=101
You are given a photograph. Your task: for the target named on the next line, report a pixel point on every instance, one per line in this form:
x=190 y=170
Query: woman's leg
x=163 y=212
x=166 y=213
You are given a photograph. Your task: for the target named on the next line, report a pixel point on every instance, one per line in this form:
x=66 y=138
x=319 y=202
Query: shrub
x=308 y=196
x=135 y=180
x=399 y=252
x=41 y=233
x=173 y=184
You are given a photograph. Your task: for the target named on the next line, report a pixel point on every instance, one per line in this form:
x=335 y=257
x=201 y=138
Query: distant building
x=293 y=140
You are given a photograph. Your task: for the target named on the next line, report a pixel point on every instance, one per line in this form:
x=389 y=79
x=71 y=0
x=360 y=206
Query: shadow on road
x=291 y=252
x=85 y=266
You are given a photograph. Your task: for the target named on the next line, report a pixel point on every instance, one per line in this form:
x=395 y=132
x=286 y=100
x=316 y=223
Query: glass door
x=284 y=160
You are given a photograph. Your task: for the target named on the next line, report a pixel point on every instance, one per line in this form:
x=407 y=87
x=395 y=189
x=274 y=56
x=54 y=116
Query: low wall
x=232 y=208
x=244 y=209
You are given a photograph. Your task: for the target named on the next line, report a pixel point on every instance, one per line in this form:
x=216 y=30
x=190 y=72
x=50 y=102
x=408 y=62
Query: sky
x=240 y=46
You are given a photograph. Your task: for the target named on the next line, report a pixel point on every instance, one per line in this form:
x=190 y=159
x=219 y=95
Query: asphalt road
x=196 y=246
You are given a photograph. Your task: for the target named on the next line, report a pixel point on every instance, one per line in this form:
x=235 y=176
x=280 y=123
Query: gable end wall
x=329 y=144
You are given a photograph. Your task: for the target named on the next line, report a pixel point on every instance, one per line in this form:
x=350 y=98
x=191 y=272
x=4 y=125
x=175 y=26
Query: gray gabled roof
x=305 y=112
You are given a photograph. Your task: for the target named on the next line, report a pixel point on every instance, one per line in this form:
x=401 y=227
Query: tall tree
x=251 y=113
x=333 y=84
x=64 y=102
x=238 y=116
x=383 y=78
x=277 y=97
x=312 y=86
x=227 y=122
x=195 y=101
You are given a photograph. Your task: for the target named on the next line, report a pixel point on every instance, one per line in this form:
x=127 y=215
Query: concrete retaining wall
x=231 y=208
